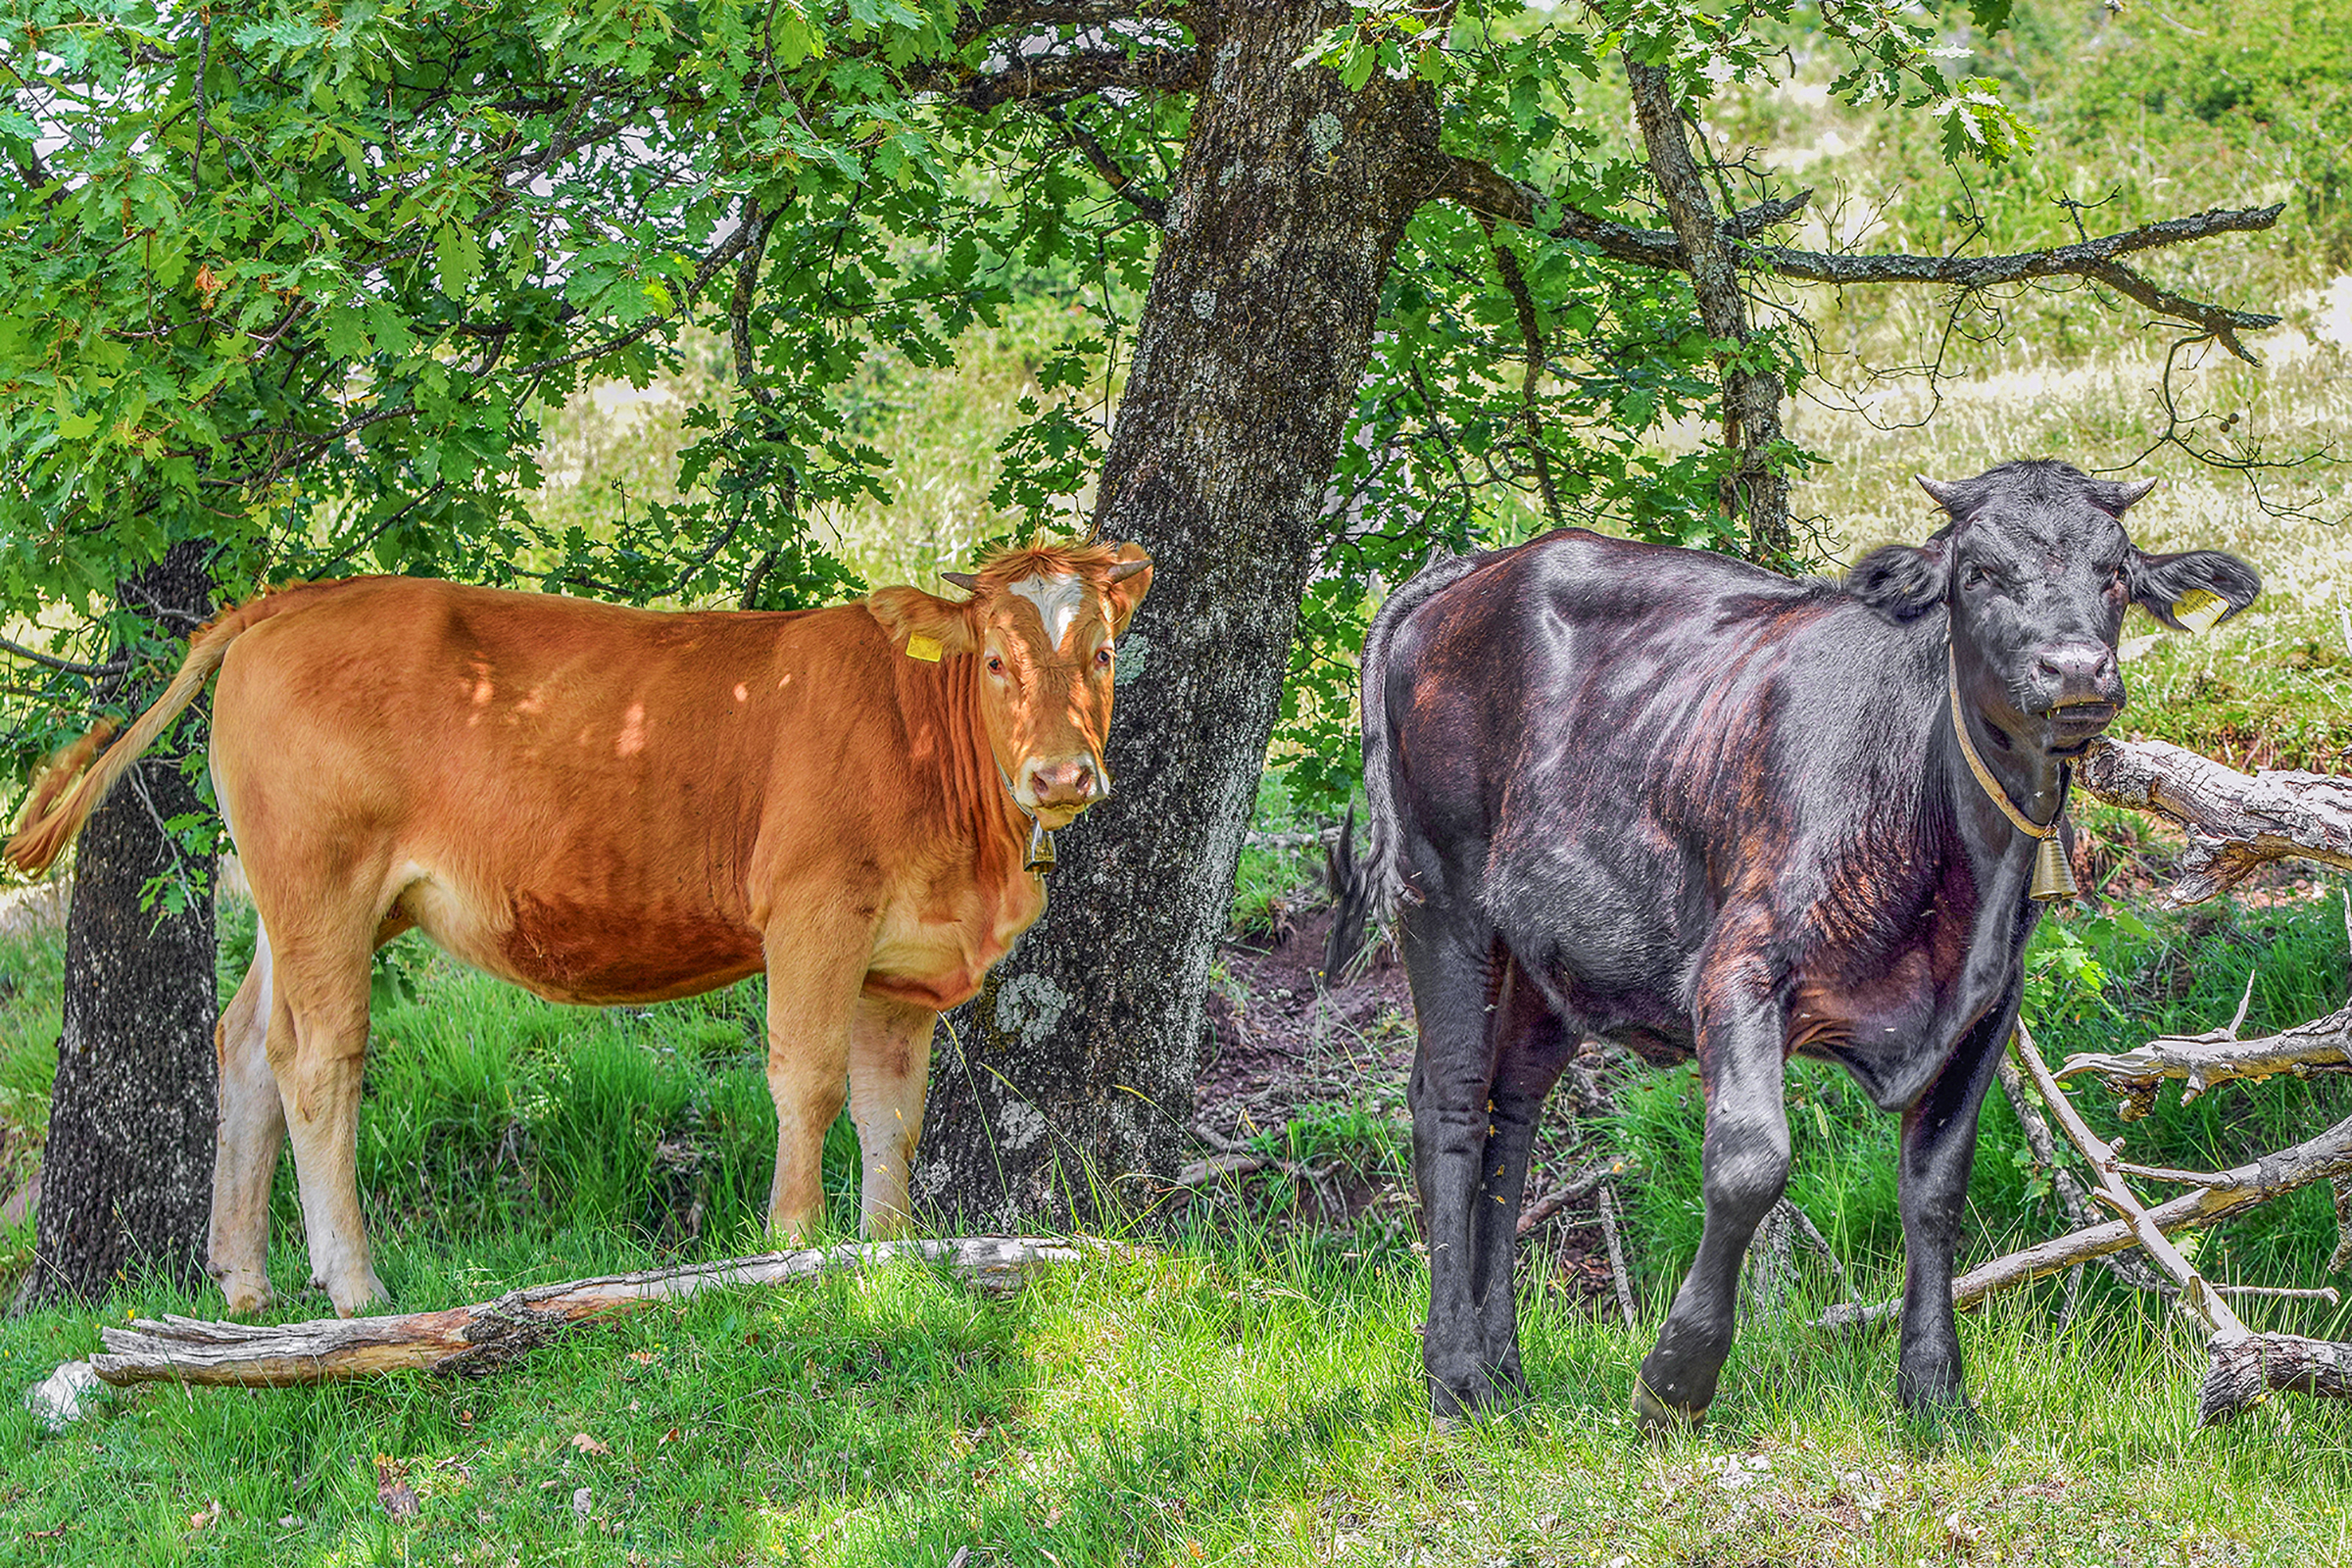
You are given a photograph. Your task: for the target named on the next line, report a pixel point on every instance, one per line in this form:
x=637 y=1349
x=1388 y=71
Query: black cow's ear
x=2192 y=591
x=1901 y=582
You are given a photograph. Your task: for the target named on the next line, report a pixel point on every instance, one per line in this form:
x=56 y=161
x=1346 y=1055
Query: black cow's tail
x=1365 y=891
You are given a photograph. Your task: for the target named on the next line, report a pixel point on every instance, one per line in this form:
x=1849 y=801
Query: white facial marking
x=1059 y=600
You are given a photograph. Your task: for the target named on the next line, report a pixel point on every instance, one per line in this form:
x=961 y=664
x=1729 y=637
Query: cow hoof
x=1659 y=1418
x=367 y=1292
x=246 y=1296
x=1450 y=1409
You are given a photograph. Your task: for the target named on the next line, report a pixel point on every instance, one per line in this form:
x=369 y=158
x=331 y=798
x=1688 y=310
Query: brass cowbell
x=1041 y=849
x=2053 y=878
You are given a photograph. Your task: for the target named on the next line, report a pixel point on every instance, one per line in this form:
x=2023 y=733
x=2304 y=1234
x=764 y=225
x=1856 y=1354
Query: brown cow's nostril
x=1071 y=783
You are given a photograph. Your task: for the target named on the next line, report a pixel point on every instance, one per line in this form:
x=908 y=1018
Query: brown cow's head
x=2036 y=572
x=1043 y=624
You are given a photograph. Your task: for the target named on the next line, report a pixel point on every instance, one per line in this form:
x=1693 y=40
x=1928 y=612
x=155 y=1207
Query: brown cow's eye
x=1102 y=657
x=996 y=665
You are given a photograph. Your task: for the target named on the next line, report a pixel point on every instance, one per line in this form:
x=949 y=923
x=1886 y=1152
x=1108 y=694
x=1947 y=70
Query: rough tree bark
x=126 y=1178
x=1074 y=1065
x=1753 y=491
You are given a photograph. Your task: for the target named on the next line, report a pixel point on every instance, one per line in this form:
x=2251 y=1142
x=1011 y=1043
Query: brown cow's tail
x=1364 y=893
x=71 y=788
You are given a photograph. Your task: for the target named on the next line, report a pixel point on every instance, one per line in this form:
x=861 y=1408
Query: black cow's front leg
x=1938 y=1147
x=1530 y=1051
x=1745 y=1169
x=1452 y=977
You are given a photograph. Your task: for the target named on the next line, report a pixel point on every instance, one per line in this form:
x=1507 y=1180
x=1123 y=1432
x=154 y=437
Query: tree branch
x=1154 y=210
x=2235 y=822
x=2324 y=1045
x=2326 y=1158
x=1482 y=189
x=69 y=666
x=1068 y=75
x=480 y=1338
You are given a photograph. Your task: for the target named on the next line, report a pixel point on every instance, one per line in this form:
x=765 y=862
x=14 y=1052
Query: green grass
x=1214 y=1401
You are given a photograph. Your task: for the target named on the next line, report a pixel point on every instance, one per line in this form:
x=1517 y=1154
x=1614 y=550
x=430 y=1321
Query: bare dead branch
x=2325 y=1158
x=2235 y=822
x=1616 y=1249
x=2071 y=1198
x=2196 y=1296
x=1584 y=1184
x=480 y=1338
x=2199 y=1061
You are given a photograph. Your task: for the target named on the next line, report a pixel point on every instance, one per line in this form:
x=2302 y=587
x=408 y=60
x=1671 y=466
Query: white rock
x=60 y=1398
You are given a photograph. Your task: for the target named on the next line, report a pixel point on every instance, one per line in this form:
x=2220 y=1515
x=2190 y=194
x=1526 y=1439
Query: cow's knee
x=1746 y=1169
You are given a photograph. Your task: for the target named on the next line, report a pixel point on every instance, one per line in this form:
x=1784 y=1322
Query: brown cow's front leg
x=1744 y=1170
x=814 y=968
x=890 y=1068
x=247 y=1138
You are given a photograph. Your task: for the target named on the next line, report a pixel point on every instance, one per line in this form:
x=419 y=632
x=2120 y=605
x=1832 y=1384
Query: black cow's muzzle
x=2078 y=691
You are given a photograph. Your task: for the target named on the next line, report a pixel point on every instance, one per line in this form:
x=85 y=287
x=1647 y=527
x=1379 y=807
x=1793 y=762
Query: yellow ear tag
x=924 y=648
x=2199 y=608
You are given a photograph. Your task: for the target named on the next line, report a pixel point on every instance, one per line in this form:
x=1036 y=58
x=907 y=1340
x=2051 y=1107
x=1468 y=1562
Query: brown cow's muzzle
x=1064 y=788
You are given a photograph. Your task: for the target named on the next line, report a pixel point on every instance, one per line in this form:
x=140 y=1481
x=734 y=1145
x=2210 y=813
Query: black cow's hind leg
x=1939 y=1147
x=1452 y=977
x=1531 y=1050
x=1744 y=1170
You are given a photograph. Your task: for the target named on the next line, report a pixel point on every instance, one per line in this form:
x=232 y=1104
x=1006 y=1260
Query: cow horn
x=2131 y=492
x=1122 y=571
x=963 y=580
x=1944 y=495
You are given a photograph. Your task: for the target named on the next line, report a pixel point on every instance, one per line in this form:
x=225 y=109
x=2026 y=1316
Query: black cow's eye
x=1972 y=576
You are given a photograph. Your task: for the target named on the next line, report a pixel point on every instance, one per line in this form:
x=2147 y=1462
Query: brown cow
x=617 y=805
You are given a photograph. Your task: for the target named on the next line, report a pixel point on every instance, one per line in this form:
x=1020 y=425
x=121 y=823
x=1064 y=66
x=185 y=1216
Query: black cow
x=1664 y=798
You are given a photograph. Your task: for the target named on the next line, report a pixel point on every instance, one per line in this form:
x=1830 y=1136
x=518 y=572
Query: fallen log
x=479 y=1339
x=2247 y=1372
x=2235 y=823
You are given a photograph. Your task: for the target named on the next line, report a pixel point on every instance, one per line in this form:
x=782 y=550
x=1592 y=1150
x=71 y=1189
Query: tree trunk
x=1063 y=1091
x=1753 y=490
x=127 y=1179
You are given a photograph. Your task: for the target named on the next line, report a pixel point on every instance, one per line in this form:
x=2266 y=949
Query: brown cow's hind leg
x=317 y=1047
x=250 y=1132
x=890 y=1068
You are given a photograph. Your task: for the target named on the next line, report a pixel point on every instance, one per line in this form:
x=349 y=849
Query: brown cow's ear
x=1130 y=580
x=922 y=625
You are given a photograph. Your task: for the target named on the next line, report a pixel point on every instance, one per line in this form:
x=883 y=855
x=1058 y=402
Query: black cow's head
x=2036 y=570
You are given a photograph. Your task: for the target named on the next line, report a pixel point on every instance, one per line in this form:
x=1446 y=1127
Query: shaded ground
x=1324 y=1069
